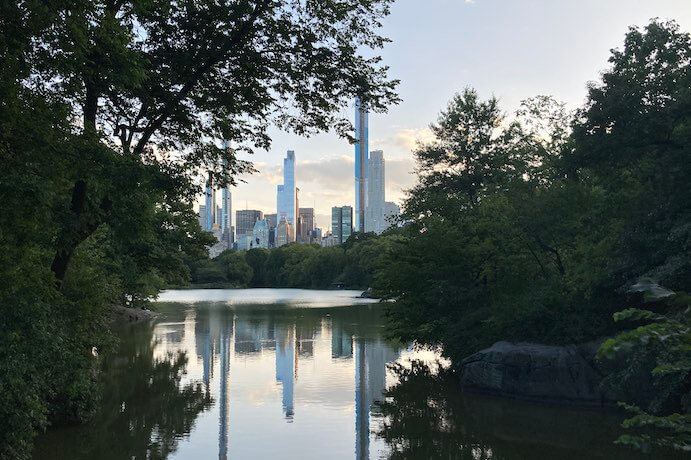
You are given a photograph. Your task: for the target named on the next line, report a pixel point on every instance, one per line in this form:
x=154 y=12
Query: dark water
x=264 y=374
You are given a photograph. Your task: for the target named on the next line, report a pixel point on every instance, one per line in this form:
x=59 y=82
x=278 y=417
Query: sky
x=512 y=49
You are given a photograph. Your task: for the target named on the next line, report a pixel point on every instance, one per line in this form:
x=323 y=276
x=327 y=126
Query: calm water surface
x=281 y=373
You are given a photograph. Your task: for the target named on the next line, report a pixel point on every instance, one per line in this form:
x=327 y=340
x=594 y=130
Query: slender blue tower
x=227 y=208
x=361 y=164
x=210 y=203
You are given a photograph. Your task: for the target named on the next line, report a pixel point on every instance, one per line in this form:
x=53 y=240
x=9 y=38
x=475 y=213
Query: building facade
x=341 y=223
x=305 y=225
x=245 y=220
x=209 y=206
x=285 y=233
x=361 y=163
x=260 y=235
x=392 y=212
x=272 y=223
x=286 y=195
x=376 y=195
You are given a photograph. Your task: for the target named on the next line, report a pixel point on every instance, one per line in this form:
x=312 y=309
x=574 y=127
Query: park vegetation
x=560 y=228
x=352 y=265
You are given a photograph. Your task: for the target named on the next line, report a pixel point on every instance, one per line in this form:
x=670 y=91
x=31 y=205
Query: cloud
x=335 y=174
x=272 y=174
x=399 y=177
x=408 y=138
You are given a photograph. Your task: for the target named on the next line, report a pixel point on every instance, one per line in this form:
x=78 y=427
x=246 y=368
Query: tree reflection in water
x=145 y=411
x=426 y=415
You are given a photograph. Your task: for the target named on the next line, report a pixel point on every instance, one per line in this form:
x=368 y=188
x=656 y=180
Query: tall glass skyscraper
x=361 y=164
x=374 y=216
x=227 y=209
x=341 y=223
x=286 y=197
x=210 y=203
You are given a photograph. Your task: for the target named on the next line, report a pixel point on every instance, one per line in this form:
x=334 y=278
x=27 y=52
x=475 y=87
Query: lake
x=286 y=373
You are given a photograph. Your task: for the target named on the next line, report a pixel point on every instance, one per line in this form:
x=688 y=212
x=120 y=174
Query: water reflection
x=304 y=380
x=297 y=340
x=427 y=417
x=146 y=411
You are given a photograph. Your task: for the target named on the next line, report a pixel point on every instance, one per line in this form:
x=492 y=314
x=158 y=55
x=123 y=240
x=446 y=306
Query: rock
x=539 y=372
x=120 y=314
x=367 y=294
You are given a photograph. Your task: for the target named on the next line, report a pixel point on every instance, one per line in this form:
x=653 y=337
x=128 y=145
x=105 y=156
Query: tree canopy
x=111 y=112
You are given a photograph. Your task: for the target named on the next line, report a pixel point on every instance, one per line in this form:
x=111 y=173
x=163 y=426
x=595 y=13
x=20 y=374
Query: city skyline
x=521 y=66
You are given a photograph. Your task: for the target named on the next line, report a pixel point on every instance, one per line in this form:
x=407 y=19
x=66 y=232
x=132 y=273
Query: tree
x=650 y=364
x=633 y=138
x=111 y=111
x=160 y=81
x=238 y=272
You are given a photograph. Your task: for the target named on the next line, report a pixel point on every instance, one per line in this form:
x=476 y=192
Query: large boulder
x=539 y=372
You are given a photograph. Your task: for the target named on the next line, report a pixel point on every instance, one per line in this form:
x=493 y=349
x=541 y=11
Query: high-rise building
x=210 y=205
x=374 y=215
x=341 y=223
x=285 y=233
x=286 y=193
x=202 y=216
x=272 y=223
x=218 y=218
x=391 y=214
x=226 y=216
x=245 y=220
x=361 y=163
x=305 y=225
x=316 y=237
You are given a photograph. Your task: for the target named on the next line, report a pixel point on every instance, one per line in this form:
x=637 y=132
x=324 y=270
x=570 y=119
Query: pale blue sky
x=513 y=49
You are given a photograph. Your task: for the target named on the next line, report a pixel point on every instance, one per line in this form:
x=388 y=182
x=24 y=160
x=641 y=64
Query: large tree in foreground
x=109 y=112
x=165 y=80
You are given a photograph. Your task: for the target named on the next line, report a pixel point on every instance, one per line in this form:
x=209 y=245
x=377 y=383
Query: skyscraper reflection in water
x=371 y=357
x=285 y=366
x=230 y=342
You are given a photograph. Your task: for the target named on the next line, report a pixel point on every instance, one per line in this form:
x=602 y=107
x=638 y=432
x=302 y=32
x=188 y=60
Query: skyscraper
x=341 y=223
x=227 y=209
x=374 y=220
x=391 y=213
x=272 y=222
x=202 y=216
x=361 y=164
x=210 y=205
x=286 y=192
x=306 y=225
x=245 y=220
x=285 y=233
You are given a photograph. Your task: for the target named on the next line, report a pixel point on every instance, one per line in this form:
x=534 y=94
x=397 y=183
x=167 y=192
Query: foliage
x=146 y=408
x=533 y=227
x=656 y=355
x=527 y=228
x=354 y=264
x=111 y=111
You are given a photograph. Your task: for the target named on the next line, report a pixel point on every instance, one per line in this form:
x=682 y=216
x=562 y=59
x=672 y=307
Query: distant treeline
x=352 y=265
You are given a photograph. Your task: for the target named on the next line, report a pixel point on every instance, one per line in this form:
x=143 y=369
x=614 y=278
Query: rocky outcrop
x=539 y=372
x=120 y=314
